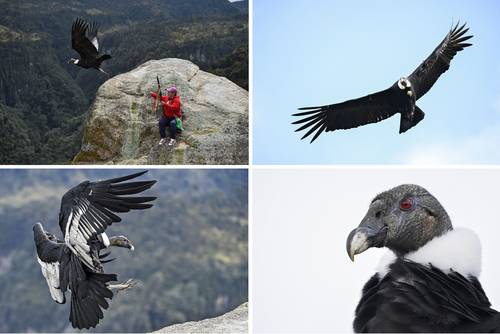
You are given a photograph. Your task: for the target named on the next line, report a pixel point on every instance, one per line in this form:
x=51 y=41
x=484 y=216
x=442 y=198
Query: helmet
x=172 y=89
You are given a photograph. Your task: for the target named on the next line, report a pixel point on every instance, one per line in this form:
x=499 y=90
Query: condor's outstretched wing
x=438 y=62
x=89 y=208
x=92 y=35
x=48 y=255
x=84 y=39
x=346 y=115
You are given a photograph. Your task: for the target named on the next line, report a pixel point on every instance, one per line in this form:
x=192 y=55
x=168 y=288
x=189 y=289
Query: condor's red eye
x=406 y=204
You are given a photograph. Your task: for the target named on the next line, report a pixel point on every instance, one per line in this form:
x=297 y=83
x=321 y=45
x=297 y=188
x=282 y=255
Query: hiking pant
x=171 y=123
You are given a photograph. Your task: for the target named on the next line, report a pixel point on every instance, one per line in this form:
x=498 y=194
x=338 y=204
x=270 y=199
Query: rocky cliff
x=235 y=321
x=123 y=129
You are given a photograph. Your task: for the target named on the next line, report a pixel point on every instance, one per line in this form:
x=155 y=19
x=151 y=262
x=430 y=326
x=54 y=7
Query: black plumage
x=84 y=41
x=75 y=263
x=416 y=298
x=89 y=208
x=428 y=286
x=399 y=98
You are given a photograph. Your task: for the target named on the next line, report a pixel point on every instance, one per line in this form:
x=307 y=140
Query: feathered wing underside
x=346 y=115
x=48 y=255
x=80 y=41
x=50 y=272
x=92 y=35
x=417 y=298
x=424 y=77
x=88 y=209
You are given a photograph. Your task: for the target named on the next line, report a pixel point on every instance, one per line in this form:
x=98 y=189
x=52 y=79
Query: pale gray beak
x=364 y=237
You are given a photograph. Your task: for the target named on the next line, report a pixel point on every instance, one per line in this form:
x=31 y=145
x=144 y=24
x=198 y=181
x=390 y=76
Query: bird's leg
x=130 y=283
x=100 y=69
x=121 y=241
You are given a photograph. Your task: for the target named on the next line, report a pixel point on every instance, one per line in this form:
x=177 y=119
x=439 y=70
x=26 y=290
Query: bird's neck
x=457 y=249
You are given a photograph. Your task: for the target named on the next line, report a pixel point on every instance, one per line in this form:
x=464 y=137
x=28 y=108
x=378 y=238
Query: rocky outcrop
x=235 y=321
x=123 y=129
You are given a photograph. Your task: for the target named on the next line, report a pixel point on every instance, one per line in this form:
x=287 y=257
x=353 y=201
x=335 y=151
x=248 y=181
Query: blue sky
x=321 y=52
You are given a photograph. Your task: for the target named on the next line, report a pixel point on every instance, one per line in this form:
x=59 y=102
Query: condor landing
x=76 y=262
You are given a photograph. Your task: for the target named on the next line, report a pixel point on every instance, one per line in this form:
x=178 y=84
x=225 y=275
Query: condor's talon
x=130 y=283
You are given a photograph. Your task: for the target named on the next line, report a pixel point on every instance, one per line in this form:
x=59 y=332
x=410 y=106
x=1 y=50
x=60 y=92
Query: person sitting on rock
x=171 y=109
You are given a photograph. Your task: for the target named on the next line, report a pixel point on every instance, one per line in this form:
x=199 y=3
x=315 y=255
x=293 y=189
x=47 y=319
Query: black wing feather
x=89 y=291
x=424 y=77
x=80 y=41
x=91 y=207
x=346 y=115
x=47 y=250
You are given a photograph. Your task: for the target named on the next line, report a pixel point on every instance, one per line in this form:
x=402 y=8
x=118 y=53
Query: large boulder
x=235 y=321
x=123 y=129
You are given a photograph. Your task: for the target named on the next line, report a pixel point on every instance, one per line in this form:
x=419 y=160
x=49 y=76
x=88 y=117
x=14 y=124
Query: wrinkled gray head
x=402 y=219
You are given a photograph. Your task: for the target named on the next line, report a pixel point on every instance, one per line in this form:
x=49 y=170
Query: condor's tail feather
x=407 y=123
x=102 y=58
x=99 y=61
x=89 y=300
x=89 y=291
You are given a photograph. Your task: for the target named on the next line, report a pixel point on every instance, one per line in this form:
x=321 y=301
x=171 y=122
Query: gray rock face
x=235 y=321
x=123 y=129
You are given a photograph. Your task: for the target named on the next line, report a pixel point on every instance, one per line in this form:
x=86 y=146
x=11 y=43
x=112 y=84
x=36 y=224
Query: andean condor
x=75 y=263
x=428 y=280
x=399 y=98
x=84 y=41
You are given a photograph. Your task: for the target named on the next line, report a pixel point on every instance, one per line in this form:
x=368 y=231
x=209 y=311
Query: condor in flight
x=75 y=263
x=84 y=41
x=399 y=98
x=429 y=279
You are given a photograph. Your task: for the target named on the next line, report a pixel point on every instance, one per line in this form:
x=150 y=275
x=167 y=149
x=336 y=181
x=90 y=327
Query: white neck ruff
x=458 y=250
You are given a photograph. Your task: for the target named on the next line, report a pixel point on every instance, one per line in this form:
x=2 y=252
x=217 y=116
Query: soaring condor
x=84 y=41
x=428 y=280
x=75 y=263
x=399 y=98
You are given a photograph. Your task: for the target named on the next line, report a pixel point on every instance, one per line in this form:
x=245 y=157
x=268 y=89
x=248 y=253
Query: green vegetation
x=48 y=98
x=191 y=256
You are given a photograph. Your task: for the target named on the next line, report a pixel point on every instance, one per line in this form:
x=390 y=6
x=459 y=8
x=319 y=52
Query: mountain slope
x=51 y=96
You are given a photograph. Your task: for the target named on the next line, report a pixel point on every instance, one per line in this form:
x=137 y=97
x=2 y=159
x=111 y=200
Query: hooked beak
x=38 y=227
x=365 y=236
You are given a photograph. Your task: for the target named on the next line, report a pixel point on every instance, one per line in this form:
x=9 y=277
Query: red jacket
x=171 y=107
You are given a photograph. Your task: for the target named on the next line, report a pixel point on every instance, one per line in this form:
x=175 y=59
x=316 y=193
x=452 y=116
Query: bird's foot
x=130 y=283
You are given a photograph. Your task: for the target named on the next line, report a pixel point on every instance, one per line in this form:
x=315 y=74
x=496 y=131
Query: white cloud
x=482 y=148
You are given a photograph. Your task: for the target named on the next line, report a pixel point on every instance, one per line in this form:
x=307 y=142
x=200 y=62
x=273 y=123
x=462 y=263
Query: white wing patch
x=51 y=273
x=105 y=240
x=80 y=227
x=77 y=234
x=96 y=43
